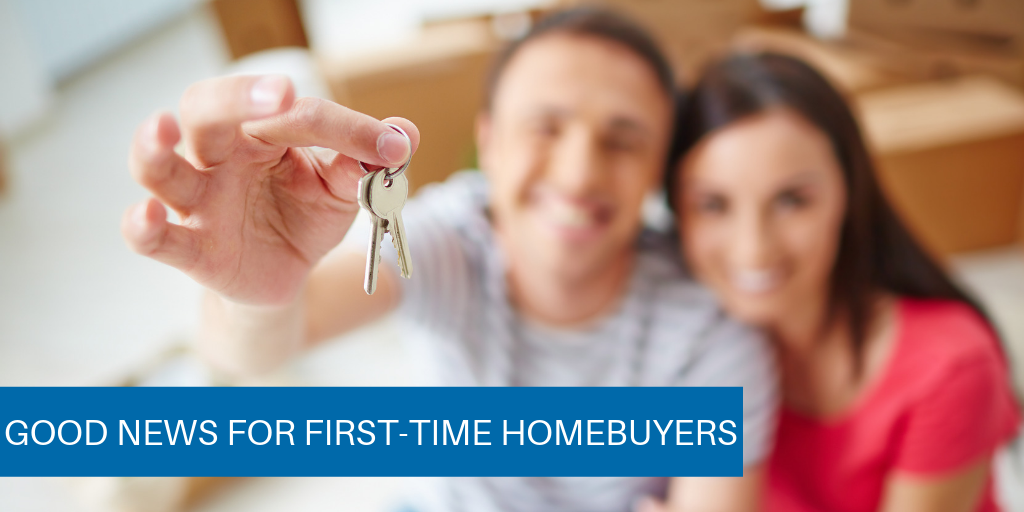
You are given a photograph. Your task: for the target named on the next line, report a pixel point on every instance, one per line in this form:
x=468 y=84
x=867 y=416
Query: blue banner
x=371 y=431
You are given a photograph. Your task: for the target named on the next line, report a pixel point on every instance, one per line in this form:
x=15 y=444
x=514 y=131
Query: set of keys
x=382 y=193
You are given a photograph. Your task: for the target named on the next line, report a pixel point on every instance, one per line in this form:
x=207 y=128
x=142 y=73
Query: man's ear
x=483 y=140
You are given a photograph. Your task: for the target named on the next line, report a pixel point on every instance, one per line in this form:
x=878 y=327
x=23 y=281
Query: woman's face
x=762 y=203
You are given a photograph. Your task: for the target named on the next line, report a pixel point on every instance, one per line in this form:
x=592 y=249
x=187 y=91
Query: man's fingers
x=156 y=166
x=146 y=231
x=318 y=122
x=213 y=110
x=410 y=129
x=342 y=173
x=342 y=176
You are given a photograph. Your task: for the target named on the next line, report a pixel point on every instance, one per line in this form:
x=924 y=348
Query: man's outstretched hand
x=260 y=202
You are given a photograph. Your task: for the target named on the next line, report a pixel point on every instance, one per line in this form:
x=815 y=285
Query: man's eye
x=546 y=129
x=712 y=205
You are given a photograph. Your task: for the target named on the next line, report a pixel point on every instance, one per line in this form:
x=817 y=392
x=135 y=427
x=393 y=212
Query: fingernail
x=268 y=92
x=393 y=147
x=148 y=137
x=139 y=215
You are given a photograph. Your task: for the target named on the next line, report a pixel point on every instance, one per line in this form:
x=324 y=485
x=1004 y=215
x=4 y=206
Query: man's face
x=576 y=136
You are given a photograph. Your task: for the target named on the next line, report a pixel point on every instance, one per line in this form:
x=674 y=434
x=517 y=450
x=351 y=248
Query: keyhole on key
x=388 y=182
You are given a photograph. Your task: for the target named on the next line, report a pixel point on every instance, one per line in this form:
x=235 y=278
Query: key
x=377 y=230
x=394 y=190
x=386 y=197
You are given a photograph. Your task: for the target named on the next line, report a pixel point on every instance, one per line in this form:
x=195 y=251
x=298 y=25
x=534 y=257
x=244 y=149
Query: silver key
x=386 y=197
x=394 y=185
x=377 y=229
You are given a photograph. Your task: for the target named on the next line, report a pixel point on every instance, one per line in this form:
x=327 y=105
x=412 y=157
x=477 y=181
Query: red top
x=942 y=402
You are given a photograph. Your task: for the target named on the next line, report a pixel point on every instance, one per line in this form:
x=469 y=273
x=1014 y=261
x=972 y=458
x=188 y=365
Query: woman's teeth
x=755 y=281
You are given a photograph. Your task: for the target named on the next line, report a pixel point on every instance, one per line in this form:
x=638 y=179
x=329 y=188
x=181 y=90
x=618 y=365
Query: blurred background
x=938 y=86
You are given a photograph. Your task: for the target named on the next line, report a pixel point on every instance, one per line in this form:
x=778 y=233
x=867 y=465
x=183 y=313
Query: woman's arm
x=959 y=491
x=711 y=494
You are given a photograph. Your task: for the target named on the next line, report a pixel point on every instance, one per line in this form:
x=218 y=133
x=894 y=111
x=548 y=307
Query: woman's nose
x=752 y=243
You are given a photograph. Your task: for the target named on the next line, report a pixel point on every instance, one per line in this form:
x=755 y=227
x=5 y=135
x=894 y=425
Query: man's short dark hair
x=589 y=21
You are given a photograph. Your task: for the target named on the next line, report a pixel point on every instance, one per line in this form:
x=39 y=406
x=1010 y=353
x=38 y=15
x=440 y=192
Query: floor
x=77 y=308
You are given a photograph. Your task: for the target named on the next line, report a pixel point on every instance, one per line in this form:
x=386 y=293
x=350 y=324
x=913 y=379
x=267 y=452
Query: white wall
x=25 y=90
x=44 y=42
x=337 y=28
x=69 y=35
x=825 y=19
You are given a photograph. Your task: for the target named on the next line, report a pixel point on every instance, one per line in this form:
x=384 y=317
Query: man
x=534 y=272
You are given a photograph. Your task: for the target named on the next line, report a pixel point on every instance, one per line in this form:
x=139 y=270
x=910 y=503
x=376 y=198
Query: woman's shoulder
x=947 y=333
x=959 y=403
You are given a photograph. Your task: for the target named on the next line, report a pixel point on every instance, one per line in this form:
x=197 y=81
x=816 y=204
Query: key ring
x=391 y=173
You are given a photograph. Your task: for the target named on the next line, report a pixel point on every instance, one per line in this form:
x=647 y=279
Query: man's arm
x=244 y=340
x=734 y=355
x=259 y=209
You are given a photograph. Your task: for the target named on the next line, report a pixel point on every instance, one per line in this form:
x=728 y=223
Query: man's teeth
x=570 y=215
x=755 y=281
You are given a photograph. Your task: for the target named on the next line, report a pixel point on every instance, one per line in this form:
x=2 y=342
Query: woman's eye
x=620 y=144
x=791 y=200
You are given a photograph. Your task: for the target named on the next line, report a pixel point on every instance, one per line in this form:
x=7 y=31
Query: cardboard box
x=996 y=19
x=435 y=81
x=253 y=25
x=849 y=69
x=927 y=58
x=950 y=155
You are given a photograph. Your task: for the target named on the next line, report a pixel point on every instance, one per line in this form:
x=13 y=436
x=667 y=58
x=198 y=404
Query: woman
x=896 y=391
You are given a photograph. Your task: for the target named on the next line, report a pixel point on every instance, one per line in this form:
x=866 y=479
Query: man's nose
x=575 y=166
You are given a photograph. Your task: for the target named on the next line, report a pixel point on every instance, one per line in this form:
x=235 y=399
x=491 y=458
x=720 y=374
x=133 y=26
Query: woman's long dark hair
x=876 y=252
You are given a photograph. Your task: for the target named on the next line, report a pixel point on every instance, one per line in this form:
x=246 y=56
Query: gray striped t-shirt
x=667 y=331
